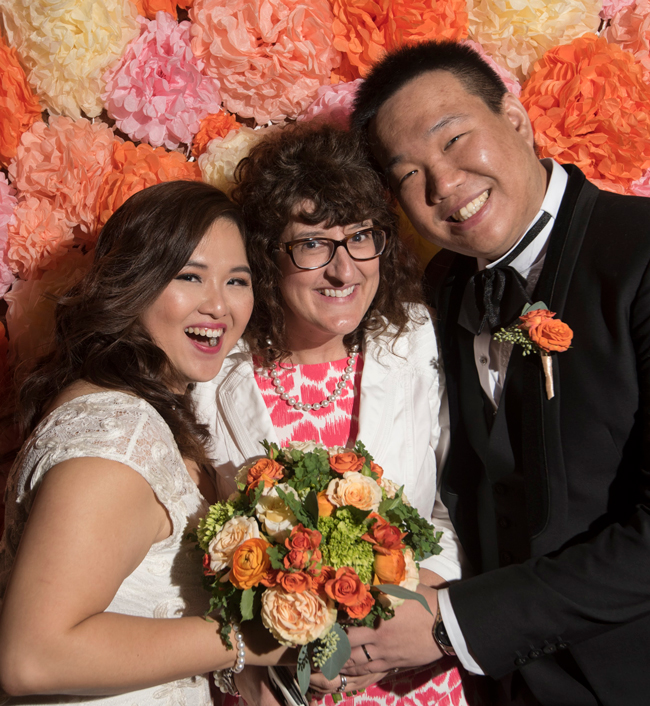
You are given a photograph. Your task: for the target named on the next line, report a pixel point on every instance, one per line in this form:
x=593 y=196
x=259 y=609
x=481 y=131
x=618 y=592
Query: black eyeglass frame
x=288 y=247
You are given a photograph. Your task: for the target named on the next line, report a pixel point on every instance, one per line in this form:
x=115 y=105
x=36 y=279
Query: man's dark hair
x=400 y=67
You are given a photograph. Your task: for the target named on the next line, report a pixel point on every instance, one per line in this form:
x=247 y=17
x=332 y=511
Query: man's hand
x=254 y=686
x=403 y=642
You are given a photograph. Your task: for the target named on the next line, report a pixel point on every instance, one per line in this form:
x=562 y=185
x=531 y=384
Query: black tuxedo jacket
x=551 y=498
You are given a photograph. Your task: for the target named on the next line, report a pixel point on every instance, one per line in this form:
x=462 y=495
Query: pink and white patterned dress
x=337 y=425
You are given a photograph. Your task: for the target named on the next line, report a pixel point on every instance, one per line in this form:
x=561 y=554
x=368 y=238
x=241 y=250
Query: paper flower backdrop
x=630 y=29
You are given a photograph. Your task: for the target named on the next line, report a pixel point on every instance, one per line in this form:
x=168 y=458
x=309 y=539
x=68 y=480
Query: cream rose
x=391 y=489
x=411 y=581
x=234 y=532
x=304 y=446
x=242 y=474
x=273 y=514
x=355 y=489
x=296 y=618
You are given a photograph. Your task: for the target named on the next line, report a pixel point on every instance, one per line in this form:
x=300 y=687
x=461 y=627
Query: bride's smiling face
x=203 y=311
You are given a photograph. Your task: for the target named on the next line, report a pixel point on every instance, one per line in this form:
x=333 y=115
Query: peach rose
x=234 y=532
x=360 y=610
x=295 y=582
x=552 y=335
x=325 y=507
x=355 y=489
x=384 y=535
x=250 y=563
x=411 y=581
x=346 y=587
x=296 y=618
x=264 y=471
x=346 y=462
x=390 y=567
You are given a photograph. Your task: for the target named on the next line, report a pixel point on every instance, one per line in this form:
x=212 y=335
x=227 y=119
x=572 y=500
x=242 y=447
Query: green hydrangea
x=217 y=516
x=342 y=544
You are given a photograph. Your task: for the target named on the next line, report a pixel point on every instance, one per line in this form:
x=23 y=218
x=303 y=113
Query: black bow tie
x=496 y=295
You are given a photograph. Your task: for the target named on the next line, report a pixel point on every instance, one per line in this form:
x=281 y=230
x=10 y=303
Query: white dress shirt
x=492 y=359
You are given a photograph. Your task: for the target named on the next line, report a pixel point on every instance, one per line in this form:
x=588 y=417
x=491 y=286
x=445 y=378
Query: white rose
x=234 y=532
x=411 y=581
x=355 y=489
x=304 y=446
x=334 y=450
x=274 y=515
x=296 y=618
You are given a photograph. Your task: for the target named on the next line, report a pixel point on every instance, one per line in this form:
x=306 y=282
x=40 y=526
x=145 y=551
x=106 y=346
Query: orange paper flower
x=148 y=8
x=134 y=169
x=589 y=106
x=214 y=125
x=19 y=107
x=364 y=30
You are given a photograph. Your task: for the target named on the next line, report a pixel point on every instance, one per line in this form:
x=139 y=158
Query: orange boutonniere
x=539 y=332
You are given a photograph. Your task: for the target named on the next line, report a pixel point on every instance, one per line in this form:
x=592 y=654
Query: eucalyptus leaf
x=303 y=671
x=246 y=605
x=533 y=307
x=334 y=664
x=401 y=592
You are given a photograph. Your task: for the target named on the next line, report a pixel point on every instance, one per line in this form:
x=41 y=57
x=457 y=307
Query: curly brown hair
x=98 y=334
x=316 y=174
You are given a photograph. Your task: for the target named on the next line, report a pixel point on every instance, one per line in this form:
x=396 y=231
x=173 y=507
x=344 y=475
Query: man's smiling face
x=467 y=177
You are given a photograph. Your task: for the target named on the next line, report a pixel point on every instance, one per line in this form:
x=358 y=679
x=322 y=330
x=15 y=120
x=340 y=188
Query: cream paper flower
x=355 y=489
x=236 y=531
x=276 y=518
x=296 y=618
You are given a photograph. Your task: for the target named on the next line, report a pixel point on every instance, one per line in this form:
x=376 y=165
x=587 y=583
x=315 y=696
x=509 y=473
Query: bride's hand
x=321 y=686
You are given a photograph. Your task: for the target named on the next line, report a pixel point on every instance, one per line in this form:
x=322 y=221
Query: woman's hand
x=255 y=687
x=321 y=686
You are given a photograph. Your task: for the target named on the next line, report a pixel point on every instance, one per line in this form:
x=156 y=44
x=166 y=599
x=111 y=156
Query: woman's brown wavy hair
x=98 y=334
x=317 y=174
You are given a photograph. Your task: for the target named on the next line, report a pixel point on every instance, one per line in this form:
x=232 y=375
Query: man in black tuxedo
x=550 y=497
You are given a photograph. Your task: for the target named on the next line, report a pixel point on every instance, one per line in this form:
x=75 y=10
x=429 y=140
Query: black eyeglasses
x=313 y=253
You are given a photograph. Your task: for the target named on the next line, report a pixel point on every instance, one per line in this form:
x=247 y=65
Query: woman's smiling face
x=326 y=304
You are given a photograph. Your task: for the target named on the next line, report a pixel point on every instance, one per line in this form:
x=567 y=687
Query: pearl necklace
x=340 y=385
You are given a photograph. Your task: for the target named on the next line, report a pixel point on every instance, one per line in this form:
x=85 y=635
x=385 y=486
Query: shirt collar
x=551 y=204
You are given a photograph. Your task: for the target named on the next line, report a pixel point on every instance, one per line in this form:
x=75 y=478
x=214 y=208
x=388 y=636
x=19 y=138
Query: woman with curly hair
x=101 y=599
x=339 y=346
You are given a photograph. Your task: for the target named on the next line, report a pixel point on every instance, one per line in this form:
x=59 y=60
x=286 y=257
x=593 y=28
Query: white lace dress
x=167 y=584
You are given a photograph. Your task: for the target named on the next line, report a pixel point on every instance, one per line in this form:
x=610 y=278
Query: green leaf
x=533 y=307
x=311 y=506
x=276 y=554
x=246 y=605
x=303 y=669
x=401 y=592
x=296 y=507
x=357 y=516
x=334 y=664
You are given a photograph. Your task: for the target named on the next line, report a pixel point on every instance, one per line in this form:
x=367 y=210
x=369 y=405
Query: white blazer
x=402 y=421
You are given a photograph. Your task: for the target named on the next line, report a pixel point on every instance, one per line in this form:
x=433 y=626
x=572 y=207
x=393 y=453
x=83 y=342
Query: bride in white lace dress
x=100 y=587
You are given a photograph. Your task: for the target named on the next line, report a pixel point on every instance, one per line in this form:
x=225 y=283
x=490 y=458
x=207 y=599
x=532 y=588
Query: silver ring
x=344 y=683
x=365 y=652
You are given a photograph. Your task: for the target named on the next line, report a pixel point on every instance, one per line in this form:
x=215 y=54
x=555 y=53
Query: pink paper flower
x=630 y=29
x=270 y=56
x=7 y=207
x=333 y=104
x=641 y=187
x=63 y=164
x=157 y=93
x=613 y=7
x=510 y=80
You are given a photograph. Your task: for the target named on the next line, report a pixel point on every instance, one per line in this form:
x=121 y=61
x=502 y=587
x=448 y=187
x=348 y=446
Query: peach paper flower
x=63 y=164
x=136 y=168
x=630 y=29
x=333 y=104
x=66 y=45
x=212 y=126
x=508 y=78
x=19 y=107
x=516 y=33
x=157 y=93
x=7 y=206
x=270 y=56
x=589 y=107
x=366 y=29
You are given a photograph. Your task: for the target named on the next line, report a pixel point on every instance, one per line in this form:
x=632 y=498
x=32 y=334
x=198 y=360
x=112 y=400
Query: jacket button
x=549 y=649
x=534 y=654
x=520 y=661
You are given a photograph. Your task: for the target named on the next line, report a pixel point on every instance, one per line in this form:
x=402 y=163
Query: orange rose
x=386 y=536
x=552 y=335
x=326 y=574
x=360 y=610
x=377 y=469
x=346 y=587
x=271 y=578
x=325 y=507
x=295 y=582
x=390 y=567
x=533 y=319
x=206 y=566
x=303 y=539
x=250 y=563
x=346 y=462
x=264 y=471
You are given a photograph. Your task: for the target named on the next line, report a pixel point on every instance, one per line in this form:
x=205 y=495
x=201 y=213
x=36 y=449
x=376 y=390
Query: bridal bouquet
x=315 y=538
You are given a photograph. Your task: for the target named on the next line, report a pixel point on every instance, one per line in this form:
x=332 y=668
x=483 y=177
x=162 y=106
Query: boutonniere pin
x=539 y=332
